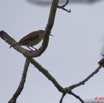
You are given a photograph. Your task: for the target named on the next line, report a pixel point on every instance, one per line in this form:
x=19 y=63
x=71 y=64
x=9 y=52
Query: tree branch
x=22 y=83
x=63 y=95
x=47 y=74
x=63 y=6
x=86 y=79
x=30 y=54
x=76 y=96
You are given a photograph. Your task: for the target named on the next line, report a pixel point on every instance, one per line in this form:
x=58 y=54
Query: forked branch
x=63 y=6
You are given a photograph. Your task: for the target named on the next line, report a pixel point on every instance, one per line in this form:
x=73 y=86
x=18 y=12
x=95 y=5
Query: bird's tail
x=13 y=45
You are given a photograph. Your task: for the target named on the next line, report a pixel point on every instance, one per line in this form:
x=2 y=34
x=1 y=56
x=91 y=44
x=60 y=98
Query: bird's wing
x=27 y=39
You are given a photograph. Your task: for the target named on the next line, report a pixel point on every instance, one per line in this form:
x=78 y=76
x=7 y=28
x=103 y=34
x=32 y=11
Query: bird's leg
x=29 y=48
x=33 y=47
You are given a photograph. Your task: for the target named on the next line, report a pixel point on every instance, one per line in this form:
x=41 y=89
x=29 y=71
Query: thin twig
x=101 y=62
x=86 y=79
x=62 y=97
x=63 y=6
x=76 y=96
x=67 y=1
x=22 y=82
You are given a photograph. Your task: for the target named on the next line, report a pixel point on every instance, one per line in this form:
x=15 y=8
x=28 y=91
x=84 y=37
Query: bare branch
x=65 y=9
x=67 y=1
x=62 y=97
x=22 y=83
x=27 y=53
x=101 y=62
x=86 y=79
x=47 y=74
x=76 y=96
x=8 y=39
x=63 y=6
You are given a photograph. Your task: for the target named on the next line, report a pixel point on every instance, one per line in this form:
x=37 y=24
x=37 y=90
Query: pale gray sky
x=48 y=2
x=72 y=53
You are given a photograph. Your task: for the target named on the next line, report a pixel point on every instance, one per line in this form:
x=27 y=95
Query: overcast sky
x=72 y=54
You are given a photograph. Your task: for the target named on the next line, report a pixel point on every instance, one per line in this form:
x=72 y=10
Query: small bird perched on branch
x=31 y=39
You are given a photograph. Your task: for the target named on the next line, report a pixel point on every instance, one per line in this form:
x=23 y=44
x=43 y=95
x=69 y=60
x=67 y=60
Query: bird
x=31 y=39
